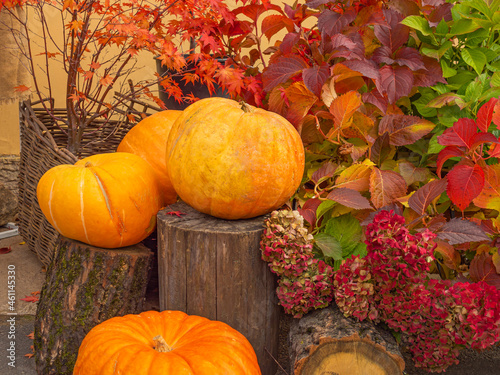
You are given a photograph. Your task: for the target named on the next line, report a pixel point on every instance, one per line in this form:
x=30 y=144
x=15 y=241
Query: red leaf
x=457 y=231
x=29 y=299
x=315 y=77
x=445 y=154
x=423 y=197
x=366 y=67
x=175 y=213
x=349 y=198
x=409 y=57
x=333 y=23
x=404 y=129
x=283 y=69
x=395 y=81
x=432 y=75
x=480 y=138
x=464 y=184
x=482 y=269
x=394 y=34
x=485 y=114
x=460 y=134
x=5 y=250
x=385 y=187
x=381 y=149
x=324 y=172
x=273 y=23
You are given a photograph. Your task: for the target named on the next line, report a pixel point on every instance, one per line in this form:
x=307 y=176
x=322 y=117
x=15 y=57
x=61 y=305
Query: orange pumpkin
x=148 y=140
x=165 y=343
x=232 y=160
x=105 y=200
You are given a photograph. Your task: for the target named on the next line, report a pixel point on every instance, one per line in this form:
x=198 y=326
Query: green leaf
x=474 y=91
x=434 y=146
x=347 y=230
x=474 y=58
x=323 y=208
x=495 y=79
x=461 y=27
x=329 y=246
x=360 y=250
x=481 y=6
x=418 y=23
x=431 y=52
x=442 y=28
x=444 y=47
x=447 y=71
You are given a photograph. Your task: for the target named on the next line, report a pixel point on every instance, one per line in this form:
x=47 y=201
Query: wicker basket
x=43 y=147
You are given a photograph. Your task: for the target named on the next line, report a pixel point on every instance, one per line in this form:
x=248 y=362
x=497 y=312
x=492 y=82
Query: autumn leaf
x=385 y=187
x=301 y=100
x=31 y=336
x=451 y=257
x=281 y=70
x=356 y=177
x=489 y=197
x=381 y=149
x=460 y=134
x=314 y=78
x=106 y=81
x=349 y=198
x=328 y=93
x=175 y=213
x=5 y=250
x=21 y=88
x=344 y=106
x=482 y=269
x=411 y=173
x=29 y=299
x=395 y=81
x=404 y=129
x=485 y=114
x=424 y=196
x=457 y=231
x=324 y=172
x=273 y=23
x=465 y=183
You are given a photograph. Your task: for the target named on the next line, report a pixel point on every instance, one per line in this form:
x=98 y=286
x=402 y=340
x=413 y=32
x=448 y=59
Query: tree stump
x=213 y=268
x=85 y=286
x=324 y=342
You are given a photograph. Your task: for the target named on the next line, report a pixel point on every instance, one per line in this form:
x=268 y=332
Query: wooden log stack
x=324 y=342
x=85 y=286
x=213 y=268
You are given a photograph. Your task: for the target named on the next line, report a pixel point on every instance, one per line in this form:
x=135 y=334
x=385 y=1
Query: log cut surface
x=324 y=342
x=213 y=268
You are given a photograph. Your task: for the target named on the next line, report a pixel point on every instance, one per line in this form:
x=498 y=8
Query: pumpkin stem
x=88 y=164
x=245 y=107
x=161 y=345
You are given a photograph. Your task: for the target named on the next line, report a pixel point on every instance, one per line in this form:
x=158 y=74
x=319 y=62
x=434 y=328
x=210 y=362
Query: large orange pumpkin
x=105 y=200
x=165 y=343
x=232 y=160
x=148 y=140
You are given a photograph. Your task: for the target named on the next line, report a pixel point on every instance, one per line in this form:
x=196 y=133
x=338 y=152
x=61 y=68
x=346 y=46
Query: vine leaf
x=465 y=182
x=489 y=197
x=395 y=81
x=482 y=269
x=445 y=154
x=315 y=77
x=485 y=114
x=349 y=198
x=284 y=68
x=385 y=187
x=457 y=231
x=344 y=106
x=404 y=129
x=423 y=197
x=356 y=177
x=460 y=134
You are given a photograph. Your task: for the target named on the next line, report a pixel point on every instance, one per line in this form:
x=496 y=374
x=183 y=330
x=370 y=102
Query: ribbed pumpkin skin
x=233 y=163
x=148 y=139
x=124 y=345
x=105 y=200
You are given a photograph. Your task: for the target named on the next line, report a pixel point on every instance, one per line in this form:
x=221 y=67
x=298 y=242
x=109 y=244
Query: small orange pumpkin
x=165 y=343
x=148 y=139
x=232 y=160
x=105 y=200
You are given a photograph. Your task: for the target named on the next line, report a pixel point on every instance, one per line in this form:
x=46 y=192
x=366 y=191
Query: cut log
x=213 y=268
x=324 y=342
x=85 y=286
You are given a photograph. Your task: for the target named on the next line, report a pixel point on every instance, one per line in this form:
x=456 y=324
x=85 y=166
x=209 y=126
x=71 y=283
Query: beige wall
x=9 y=117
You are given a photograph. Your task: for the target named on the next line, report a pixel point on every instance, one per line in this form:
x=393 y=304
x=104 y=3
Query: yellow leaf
x=22 y=243
x=356 y=177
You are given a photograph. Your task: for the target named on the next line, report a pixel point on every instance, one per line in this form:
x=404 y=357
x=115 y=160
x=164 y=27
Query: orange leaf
x=451 y=257
x=356 y=177
x=106 y=81
x=489 y=197
x=21 y=88
x=385 y=187
x=31 y=335
x=343 y=108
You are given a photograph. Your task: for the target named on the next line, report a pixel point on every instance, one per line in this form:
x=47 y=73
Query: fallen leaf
x=29 y=355
x=5 y=250
x=176 y=213
x=22 y=243
x=31 y=335
x=29 y=299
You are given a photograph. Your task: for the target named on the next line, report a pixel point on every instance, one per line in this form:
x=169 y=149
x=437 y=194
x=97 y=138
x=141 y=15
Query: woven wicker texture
x=43 y=146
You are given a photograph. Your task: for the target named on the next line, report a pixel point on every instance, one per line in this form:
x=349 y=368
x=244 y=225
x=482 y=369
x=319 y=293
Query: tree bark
x=324 y=342
x=213 y=268
x=85 y=286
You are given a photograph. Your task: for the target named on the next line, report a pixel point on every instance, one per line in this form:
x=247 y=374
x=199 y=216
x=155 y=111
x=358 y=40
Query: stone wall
x=9 y=171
